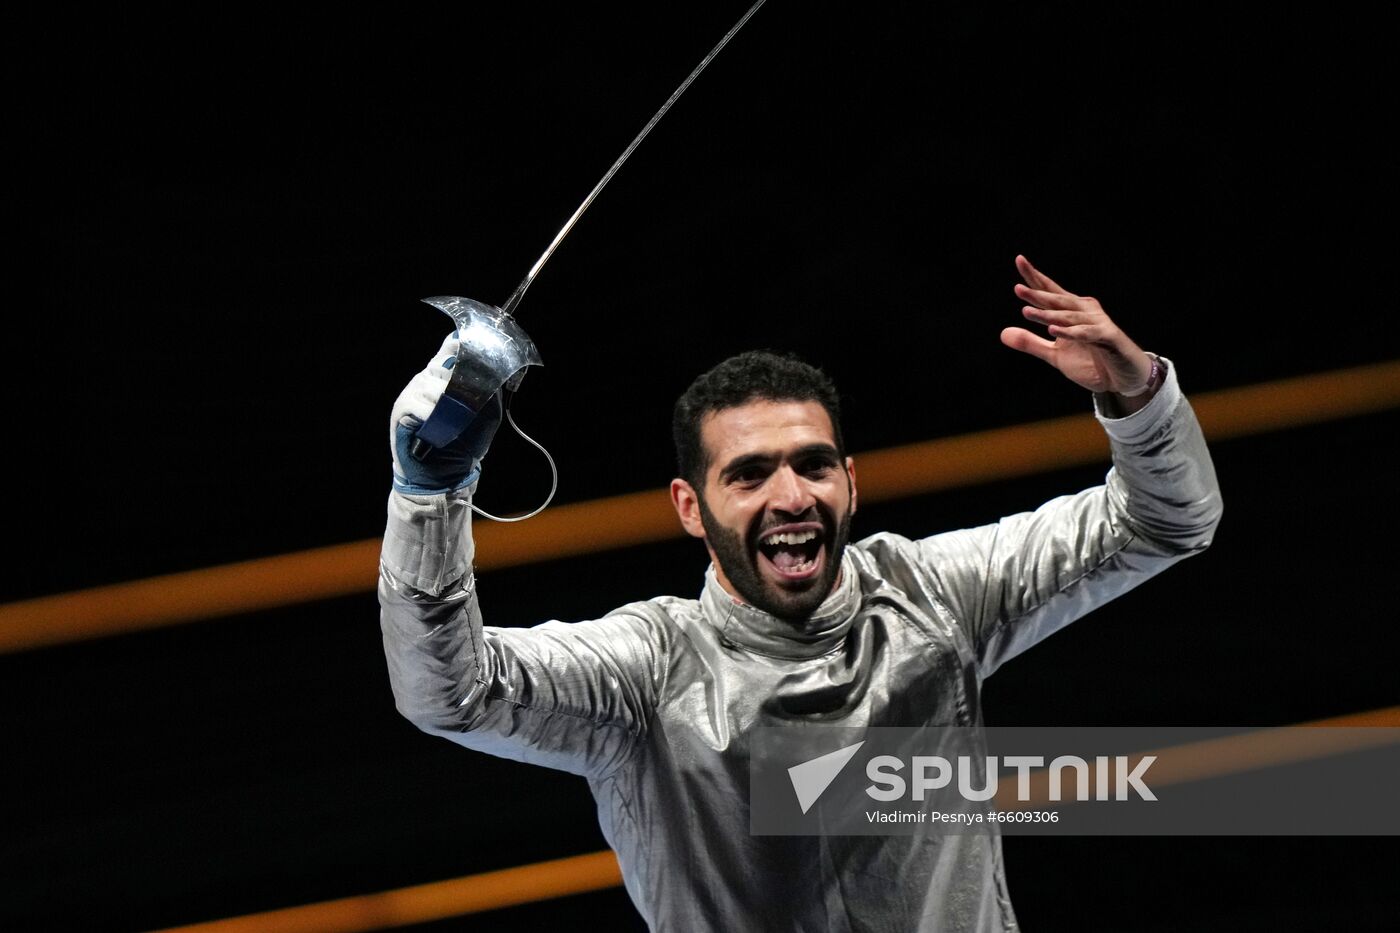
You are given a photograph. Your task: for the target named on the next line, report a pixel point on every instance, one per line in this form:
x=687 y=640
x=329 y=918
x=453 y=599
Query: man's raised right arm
x=571 y=696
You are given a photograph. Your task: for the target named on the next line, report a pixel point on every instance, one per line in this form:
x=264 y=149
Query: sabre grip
x=449 y=419
x=437 y=440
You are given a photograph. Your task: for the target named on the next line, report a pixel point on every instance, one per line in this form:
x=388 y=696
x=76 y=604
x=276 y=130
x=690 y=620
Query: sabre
x=493 y=350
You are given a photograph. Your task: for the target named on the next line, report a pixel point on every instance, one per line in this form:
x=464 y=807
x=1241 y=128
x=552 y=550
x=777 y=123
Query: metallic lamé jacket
x=654 y=703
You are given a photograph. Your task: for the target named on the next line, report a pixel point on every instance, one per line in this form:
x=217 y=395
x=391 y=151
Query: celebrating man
x=656 y=702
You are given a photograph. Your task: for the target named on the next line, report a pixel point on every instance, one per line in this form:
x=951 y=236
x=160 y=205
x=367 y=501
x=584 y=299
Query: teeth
x=801 y=537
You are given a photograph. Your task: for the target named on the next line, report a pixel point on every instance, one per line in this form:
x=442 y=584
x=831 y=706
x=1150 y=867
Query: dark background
x=224 y=222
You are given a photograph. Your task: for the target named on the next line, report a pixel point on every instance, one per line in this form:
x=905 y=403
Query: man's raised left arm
x=1015 y=582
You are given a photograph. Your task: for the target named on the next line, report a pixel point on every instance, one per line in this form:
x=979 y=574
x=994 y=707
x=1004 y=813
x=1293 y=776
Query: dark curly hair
x=747 y=377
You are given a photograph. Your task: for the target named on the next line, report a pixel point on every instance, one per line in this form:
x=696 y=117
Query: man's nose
x=790 y=493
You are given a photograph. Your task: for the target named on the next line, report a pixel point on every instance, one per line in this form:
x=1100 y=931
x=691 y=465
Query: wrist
x=1155 y=377
x=434 y=486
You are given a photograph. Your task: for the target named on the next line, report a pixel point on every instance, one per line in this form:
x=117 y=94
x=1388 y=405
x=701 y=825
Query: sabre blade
x=493 y=352
x=514 y=300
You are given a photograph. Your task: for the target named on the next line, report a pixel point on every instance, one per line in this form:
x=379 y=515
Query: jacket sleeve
x=1015 y=582
x=576 y=697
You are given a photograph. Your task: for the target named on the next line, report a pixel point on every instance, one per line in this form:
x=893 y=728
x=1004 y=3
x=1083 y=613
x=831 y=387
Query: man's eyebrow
x=746 y=460
x=767 y=459
x=816 y=450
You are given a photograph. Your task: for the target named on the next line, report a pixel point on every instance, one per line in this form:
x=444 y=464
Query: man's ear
x=687 y=503
x=851 y=478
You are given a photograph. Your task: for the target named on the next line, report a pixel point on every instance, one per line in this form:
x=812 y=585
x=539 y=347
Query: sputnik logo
x=811 y=778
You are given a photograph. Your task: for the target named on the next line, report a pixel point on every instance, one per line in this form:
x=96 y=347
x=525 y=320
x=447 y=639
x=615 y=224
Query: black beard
x=739 y=561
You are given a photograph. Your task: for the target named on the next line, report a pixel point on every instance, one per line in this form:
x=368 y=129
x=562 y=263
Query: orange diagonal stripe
x=421 y=903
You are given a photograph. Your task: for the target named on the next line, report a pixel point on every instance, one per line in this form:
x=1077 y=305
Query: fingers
x=1048 y=299
x=1086 y=333
x=1064 y=318
x=1037 y=279
x=421 y=395
x=1018 y=338
x=1073 y=316
x=446 y=352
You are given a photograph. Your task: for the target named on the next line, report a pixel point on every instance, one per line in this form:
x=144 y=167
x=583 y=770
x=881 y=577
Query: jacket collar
x=761 y=633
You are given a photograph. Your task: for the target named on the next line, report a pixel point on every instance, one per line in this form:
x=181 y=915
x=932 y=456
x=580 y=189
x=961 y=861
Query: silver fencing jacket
x=653 y=704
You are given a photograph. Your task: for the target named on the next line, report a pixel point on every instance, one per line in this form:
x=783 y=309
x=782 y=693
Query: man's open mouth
x=793 y=552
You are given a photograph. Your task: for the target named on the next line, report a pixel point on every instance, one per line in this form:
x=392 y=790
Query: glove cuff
x=402 y=485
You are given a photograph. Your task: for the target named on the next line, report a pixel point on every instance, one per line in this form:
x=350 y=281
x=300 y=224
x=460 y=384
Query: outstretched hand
x=1087 y=347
